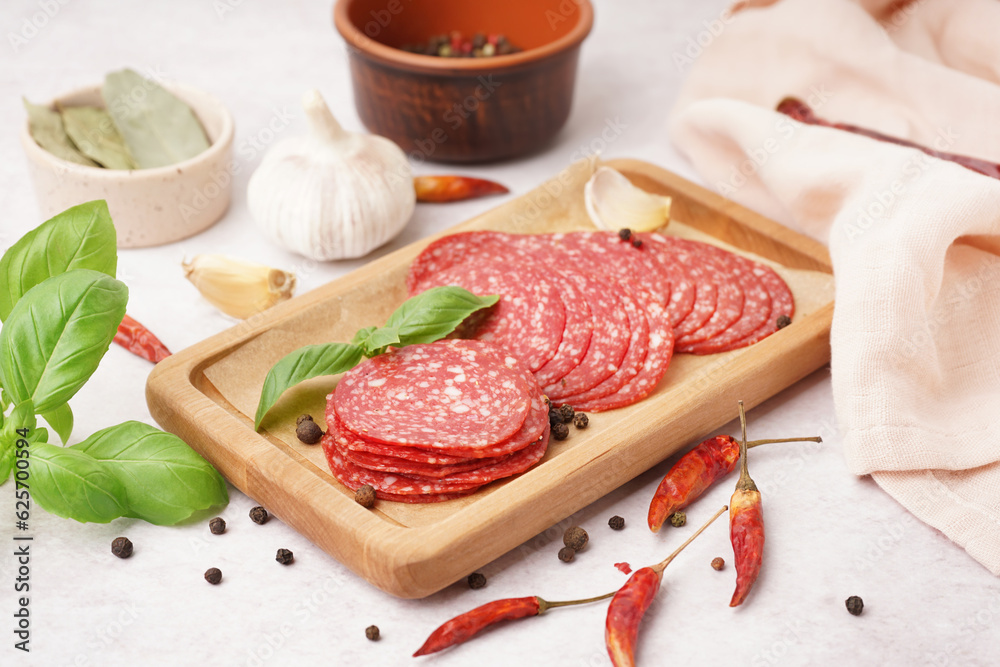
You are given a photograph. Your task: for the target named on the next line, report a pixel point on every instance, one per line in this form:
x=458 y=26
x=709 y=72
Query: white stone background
x=830 y=534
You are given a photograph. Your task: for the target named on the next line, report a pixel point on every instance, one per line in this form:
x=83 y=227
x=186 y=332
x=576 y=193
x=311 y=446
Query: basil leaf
x=159 y=129
x=432 y=315
x=362 y=335
x=95 y=134
x=304 y=363
x=47 y=129
x=71 y=484
x=165 y=481
x=379 y=339
x=81 y=237
x=57 y=334
x=61 y=420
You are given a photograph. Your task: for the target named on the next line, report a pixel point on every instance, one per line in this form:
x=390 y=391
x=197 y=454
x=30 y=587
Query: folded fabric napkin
x=915 y=240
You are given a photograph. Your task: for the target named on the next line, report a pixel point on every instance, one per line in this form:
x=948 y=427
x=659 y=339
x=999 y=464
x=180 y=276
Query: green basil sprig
x=424 y=318
x=61 y=307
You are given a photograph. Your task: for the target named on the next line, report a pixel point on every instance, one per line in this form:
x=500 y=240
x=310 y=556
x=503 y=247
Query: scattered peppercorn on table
x=249 y=589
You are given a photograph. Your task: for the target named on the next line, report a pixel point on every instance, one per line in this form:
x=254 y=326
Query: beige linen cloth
x=914 y=240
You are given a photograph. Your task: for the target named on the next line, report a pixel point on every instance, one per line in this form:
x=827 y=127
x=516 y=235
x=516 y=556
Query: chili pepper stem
x=545 y=605
x=773 y=441
x=659 y=567
x=744 y=483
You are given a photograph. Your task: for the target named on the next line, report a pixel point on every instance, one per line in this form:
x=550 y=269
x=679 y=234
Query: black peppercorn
x=581 y=420
x=217 y=525
x=213 y=575
x=121 y=547
x=575 y=538
x=636 y=243
x=308 y=432
x=365 y=496
x=259 y=515
x=566 y=554
x=616 y=522
x=678 y=519
x=854 y=605
x=302 y=418
x=783 y=321
x=555 y=417
x=284 y=556
x=560 y=431
x=718 y=563
x=476 y=580
x=625 y=234
x=372 y=633
x=567 y=413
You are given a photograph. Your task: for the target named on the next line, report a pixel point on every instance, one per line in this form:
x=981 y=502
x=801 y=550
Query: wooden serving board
x=207 y=394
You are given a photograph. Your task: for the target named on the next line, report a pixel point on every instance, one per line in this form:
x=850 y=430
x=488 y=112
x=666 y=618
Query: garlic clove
x=614 y=203
x=237 y=287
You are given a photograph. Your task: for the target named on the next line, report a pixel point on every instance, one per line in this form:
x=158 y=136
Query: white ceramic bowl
x=149 y=206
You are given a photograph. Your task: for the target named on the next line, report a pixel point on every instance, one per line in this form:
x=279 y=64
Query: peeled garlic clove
x=333 y=194
x=238 y=287
x=614 y=203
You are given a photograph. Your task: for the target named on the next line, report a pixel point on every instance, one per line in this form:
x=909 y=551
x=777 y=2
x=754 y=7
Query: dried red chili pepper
x=439 y=189
x=697 y=470
x=746 y=526
x=621 y=629
x=801 y=112
x=467 y=625
x=138 y=340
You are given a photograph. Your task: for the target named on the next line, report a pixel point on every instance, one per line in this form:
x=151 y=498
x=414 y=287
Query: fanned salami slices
x=646 y=296
x=528 y=322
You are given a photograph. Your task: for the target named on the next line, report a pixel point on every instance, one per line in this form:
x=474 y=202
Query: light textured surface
x=830 y=534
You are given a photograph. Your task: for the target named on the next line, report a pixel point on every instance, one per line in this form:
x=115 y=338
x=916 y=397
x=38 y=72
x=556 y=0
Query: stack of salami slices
x=597 y=316
x=425 y=423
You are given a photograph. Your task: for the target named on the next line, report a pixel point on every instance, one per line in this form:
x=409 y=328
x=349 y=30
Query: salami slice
x=605 y=256
x=354 y=476
x=344 y=476
x=661 y=348
x=756 y=310
x=444 y=395
x=682 y=254
x=635 y=355
x=529 y=319
x=577 y=334
x=529 y=432
x=608 y=343
x=782 y=303
x=729 y=297
x=448 y=251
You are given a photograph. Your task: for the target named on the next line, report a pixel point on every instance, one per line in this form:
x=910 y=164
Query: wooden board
x=208 y=393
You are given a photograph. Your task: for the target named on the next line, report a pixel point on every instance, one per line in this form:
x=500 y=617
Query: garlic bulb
x=614 y=203
x=333 y=194
x=238 y=287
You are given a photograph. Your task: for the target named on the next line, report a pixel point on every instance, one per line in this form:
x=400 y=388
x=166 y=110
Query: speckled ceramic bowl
x=149 y=206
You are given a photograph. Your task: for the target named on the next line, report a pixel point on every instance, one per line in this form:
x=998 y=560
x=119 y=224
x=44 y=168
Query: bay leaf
x=158 y=128
x=46 y=127
x=94 y=133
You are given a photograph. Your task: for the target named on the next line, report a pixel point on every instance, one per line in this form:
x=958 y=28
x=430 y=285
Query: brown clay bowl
x=464 y=109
